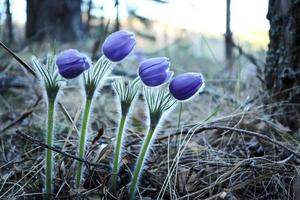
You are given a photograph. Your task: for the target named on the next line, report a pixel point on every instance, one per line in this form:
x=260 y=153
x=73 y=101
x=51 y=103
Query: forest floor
x=216 y=150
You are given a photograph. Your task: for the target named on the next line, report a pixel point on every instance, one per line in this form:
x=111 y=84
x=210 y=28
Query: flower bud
x=71 y=63
x=118 y=45
x=186 y=85
x=155 y=71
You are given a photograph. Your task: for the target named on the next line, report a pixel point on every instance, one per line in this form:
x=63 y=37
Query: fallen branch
x=43 y=145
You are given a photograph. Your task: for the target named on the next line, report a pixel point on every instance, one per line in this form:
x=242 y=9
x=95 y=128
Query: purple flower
x=118 y=45
x=71 y=63
x=186 y=85
x=155 y=71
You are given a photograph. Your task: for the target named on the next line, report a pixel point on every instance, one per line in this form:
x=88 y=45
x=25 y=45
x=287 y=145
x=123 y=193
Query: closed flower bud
x=186 y=85
x=118 y=45
x=155 y=71
x=71 y=63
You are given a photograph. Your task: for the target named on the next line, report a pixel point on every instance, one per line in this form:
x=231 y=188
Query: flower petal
x=184 y=86
x=155 y=80
x=155 y=71
x=71 y=63
x=146 y=64
x=118 y=45
x=68 y=56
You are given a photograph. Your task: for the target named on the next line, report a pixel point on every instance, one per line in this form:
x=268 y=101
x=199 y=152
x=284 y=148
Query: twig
x=224 y=128
x=43 y=145
x=252 y=59
x=66 y=113
x=22 y=116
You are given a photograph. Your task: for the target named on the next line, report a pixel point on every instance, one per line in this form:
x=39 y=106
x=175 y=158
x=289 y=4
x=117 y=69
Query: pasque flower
x=118 y=45
x=115 y=48
x=155 y=71
x=52 y=83
x=158 y=101
x=126 y=93
x=92 y=81
x=186 y=85
x=71 y=63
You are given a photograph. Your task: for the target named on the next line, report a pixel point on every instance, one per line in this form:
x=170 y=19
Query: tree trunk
x=60 y=20
x=8 y=22
x=117 y=24
x=228 y=34
x=32 y=9
x=89 y=15
x=282 y=70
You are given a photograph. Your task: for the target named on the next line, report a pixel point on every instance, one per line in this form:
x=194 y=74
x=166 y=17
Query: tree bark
x=282 y=70
x=59 y=20
x=8 y=22
x=89 y=15
x=228 y=34
x=117 y=24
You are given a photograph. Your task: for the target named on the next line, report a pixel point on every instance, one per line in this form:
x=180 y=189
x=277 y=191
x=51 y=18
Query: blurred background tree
x=8 y=30
x=228 y=33
x=57 y=19
x=282 y=70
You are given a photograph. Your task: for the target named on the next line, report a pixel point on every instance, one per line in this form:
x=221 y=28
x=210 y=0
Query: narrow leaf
x=27 y=67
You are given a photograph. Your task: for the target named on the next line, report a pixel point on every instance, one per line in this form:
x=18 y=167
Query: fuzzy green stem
x=140 y=162
x=179 y=116
x=82 y=139
x=48 y=151
x=118 y=152
x=178 y=125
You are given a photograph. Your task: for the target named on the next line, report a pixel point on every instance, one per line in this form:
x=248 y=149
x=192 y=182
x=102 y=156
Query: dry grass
x=211 y=164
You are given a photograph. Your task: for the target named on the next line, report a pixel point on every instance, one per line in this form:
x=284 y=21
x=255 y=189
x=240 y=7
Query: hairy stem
x=118 y=152
x=82 y=140
x=140 y=162
x=178 y=125
x=48 y=151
